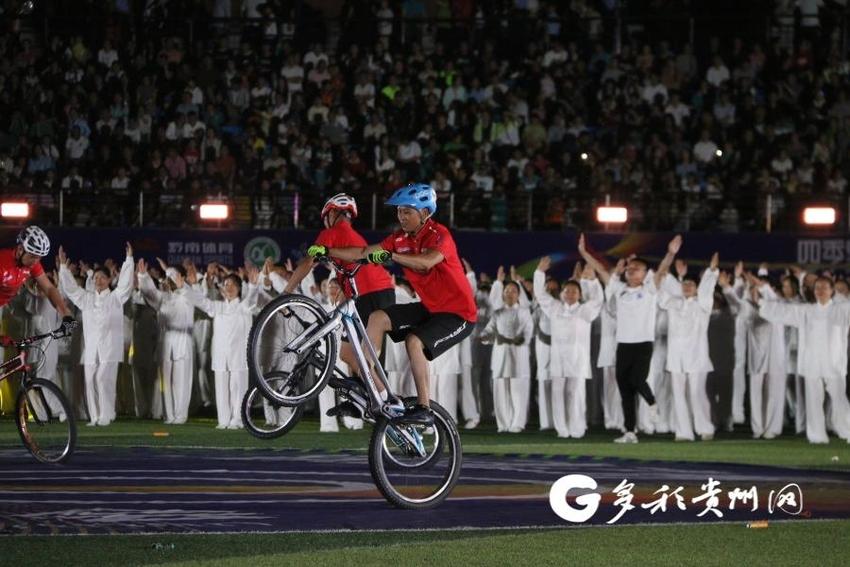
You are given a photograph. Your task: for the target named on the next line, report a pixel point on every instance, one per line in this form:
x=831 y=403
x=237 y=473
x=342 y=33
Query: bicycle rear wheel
x=286 y=319
x=411 y=479
x=45 y=421
x=265 y=420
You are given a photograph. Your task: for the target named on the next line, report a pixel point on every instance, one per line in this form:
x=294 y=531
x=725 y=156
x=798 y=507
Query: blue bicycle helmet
x=417 y=196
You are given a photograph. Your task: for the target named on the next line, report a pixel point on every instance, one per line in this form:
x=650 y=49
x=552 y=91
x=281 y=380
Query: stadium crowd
x=522 y=113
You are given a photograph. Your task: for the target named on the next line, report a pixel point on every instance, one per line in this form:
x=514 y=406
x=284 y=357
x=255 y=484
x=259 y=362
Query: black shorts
x=370 y=302
x=437 y=331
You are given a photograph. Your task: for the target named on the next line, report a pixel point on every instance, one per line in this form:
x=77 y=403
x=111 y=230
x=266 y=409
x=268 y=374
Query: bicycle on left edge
x=43 y=414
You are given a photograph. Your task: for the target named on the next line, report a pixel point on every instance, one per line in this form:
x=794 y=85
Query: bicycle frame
x=14 y=365
x=347 y=317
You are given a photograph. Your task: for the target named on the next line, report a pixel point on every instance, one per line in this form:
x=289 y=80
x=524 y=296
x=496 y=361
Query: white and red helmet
x=340 y=202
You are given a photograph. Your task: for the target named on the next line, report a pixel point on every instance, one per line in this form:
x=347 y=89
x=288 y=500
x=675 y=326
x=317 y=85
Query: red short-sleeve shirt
x=13 y=276
x=444 y=288
x=371 y=277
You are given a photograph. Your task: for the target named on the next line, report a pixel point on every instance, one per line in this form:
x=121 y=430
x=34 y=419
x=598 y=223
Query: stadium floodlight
x=612 y=215
x=14 y=210
x=819 y=216
x=215 y=211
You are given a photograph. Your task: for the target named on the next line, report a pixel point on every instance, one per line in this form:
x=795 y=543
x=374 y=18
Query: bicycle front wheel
x=283 y=376
x=265 y=420
x=414 y=466
x=45 y=421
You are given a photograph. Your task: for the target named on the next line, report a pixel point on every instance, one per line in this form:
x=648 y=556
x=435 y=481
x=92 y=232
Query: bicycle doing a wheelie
x=43 y=414
x=413 y=465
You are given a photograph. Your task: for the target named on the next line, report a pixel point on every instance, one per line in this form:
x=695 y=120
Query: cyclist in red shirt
x=375 y=288
x=22 y=262
x=428 y=256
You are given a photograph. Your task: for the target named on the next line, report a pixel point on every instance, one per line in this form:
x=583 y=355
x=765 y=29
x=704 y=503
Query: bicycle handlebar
x=60 y=333
x=347 y=272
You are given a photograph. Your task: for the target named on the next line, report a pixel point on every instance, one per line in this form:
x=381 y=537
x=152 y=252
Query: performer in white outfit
x=543 y=348
x=232 y=318
x=570 y=362
x=652 y=421
x=397 y=363
x=445 y=370
x=765 y=362
x=612 y=405
x=202 y=338
x=822 y=354
x=43 y=318
x=510 y=329
x=103 y=332
x=176 y=316
x=739 y=375
x=795 y=389
x=469 y=402
x=145 y=373
x=687 y=353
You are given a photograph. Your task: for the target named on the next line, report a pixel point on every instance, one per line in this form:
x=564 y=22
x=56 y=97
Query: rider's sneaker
x=418 y=414
x=395 y=405
x=345 y=408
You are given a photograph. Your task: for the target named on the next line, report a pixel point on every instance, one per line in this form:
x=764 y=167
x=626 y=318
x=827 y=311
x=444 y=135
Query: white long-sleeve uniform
x=510 y=365
x=202 y=337
x=542 y=352
x=469 y=402
x=821 y=359
x=176 y=316
x=43 y=319
x=612 y=404
x=103 y=336
x=687 y=356
x=396 y=361
x=232 y=320
x=766 y=367
x=148 y=394
x=659 y=379
x=570 y=361
x=739 y=374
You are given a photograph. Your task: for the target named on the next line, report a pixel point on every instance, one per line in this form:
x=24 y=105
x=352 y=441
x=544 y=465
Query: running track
x=143 y=490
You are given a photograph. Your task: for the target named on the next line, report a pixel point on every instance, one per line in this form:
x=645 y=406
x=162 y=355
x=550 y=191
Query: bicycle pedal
x=347 y=409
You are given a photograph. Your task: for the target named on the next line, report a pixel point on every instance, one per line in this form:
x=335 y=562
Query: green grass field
x=789 y=451
x=789 y=543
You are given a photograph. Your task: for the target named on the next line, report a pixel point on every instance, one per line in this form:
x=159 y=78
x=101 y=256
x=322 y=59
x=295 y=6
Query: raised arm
x=591 y=289
x=250 y=289
x=705 y=291
x=470 y=276
x=791 y=314
x=125 y=278
x=729 y=292
x=148 y=290
x=664 y=267
x=597 y=266
x=78 y=296
x=305 y=267
x=497 y=288
x=546 y=301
